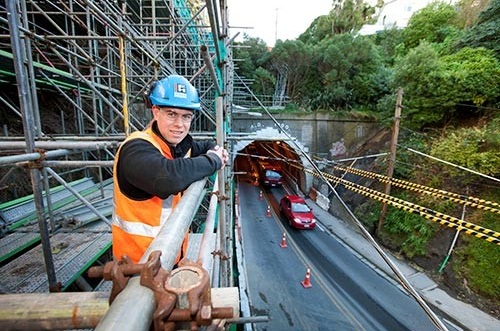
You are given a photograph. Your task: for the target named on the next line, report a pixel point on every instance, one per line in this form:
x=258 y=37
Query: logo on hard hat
x=180 y=91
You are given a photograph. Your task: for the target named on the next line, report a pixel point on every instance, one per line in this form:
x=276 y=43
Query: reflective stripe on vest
x=142 y=229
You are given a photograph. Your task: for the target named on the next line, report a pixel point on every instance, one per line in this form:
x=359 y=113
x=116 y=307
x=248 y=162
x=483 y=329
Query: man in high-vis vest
x=152 y=167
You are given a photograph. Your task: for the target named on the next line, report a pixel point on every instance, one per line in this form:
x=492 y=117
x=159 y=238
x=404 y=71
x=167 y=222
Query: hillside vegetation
x=447 y=61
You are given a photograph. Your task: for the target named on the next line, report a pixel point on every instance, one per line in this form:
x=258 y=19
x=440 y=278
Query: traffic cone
x=268 y=213
x=307 y=281
x=283 y=241
x=260 y=195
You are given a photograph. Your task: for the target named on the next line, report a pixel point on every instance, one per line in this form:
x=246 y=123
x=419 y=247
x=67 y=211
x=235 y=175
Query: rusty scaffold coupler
x=182 y=295
x=117 y=271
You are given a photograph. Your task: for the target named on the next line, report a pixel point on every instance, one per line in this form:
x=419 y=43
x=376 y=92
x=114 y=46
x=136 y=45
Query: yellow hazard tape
x=443 y=219
x=462 y=199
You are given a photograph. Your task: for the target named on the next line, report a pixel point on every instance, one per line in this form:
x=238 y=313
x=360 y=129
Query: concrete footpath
x=462 y=314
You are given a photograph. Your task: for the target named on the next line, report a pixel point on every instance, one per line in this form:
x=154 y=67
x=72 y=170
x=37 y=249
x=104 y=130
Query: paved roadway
x=346 y=293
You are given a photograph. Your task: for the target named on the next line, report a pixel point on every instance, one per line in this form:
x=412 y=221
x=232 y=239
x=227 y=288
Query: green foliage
x=427 y=91
x=486 y=31
x=329 y=69
x=291 y=107
x=432 y=24
x=319 y=29
x=385 y=107
x=346 y=16
x=264 y=82
x=434 y=85
x=405 y=159
x=492 y=132
x=478 y=260
x=388 y=42
x=293 y=60
x=469 y=11
x=473 y=148
x=251 y=54
x=413 y=230
x=475 y=75
x=482 y=257
x=347 y=72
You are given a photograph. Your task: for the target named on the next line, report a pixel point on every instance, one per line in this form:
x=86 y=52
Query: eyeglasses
x=173 y=116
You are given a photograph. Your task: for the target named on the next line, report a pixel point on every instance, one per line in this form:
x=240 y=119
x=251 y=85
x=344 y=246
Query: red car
x=298 y=214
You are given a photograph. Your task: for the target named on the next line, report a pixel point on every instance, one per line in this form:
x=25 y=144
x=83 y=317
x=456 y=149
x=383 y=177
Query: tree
x=350 y=15
x=250 y=54
x=264 y=82
x=433 y=24
x=434 y=85
x=347 y=72
x=387 y=42
x=486 y=32
x=319 y=29
x=346 y=16
x=427 y=92
x=474 y=74
x=294 y=59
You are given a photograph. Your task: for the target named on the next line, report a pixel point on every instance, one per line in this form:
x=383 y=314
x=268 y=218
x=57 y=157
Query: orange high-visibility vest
x=136 y=223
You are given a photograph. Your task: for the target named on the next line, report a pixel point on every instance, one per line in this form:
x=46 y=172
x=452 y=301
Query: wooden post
x=392 y=156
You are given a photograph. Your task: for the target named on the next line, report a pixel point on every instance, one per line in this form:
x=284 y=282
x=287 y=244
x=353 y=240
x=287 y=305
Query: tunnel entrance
x=275 y=151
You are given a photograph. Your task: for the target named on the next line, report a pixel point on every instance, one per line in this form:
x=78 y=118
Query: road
x=346 y=294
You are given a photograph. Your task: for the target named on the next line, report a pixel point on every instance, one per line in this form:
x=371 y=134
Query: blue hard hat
x=175 y=91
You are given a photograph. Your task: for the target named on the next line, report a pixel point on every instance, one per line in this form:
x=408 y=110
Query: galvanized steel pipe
x=204 y=255
x=133 y=308
x=77 y=164
x=210 y=66
x=214 y=25
x=11 y=159
x=19 y=57
x=79 y=196
x=223 y=228
x=90 y=145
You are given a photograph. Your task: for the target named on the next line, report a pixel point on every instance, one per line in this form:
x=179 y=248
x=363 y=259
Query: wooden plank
x=226 y=297
x=52 y=311
x=75 y=310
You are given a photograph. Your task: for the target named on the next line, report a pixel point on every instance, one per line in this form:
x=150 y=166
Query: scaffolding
x=98 y=58
x=73 y=74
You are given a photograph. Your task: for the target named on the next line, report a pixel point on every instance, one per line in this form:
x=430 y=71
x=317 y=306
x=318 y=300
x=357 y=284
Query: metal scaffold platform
x=73 y=253
x=80 y=237
x=19 y=216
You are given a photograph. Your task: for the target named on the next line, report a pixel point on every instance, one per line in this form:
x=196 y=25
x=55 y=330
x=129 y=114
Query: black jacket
x=143 y=172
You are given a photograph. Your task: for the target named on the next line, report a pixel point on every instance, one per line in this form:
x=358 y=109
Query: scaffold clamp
x=117 y=271
x=182 y=295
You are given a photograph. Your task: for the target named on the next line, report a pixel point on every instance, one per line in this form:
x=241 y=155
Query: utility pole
x=392 y=156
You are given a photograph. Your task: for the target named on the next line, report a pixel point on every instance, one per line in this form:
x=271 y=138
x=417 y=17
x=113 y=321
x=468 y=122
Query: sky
x=268 y=19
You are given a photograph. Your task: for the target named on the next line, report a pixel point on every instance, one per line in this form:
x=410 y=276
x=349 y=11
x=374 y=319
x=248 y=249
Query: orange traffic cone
x=268 y=213
x=307 y=281
x=260 y=195
x=283 y=241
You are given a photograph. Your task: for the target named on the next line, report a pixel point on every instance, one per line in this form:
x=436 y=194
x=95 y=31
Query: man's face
x=173 y=123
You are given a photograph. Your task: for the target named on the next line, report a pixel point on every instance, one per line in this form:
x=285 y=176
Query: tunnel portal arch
x=279 y=145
